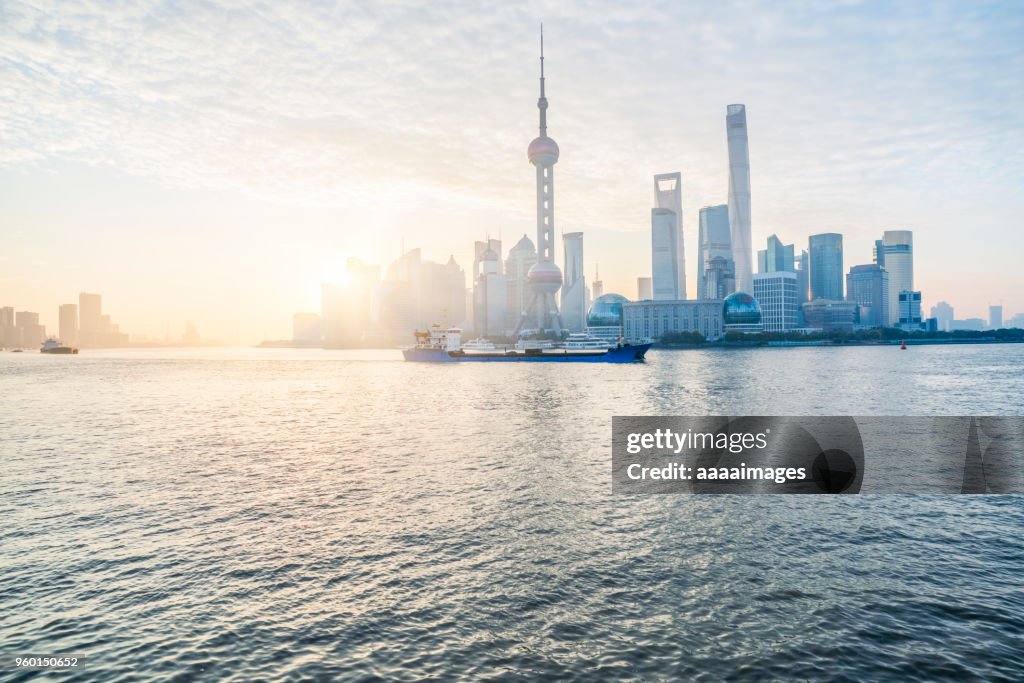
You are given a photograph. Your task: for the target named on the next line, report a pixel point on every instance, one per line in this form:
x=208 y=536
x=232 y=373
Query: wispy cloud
x=861 y=114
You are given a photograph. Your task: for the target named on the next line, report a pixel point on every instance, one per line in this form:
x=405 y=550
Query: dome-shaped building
x=741 y=313
x=604 y=318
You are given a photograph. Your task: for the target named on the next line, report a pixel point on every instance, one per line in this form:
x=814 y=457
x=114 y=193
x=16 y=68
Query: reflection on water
x=270 y=513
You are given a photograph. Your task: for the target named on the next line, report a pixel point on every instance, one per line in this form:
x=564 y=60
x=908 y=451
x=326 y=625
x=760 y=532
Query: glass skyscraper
x=777 y=257
x=868 y=286
x=895 y=252
x=739 y=196
x=714 y=241
x=668 y=260
x=826 y=267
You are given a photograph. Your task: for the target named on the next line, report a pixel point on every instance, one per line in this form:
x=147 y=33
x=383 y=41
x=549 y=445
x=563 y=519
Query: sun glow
x=335 y=272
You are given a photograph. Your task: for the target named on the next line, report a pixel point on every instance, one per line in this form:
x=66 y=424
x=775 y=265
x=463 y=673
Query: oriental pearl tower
x=545 y=278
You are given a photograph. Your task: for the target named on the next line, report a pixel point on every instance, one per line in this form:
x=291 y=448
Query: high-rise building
x=995 y=317
x=803 y=281
x=9 y=337
x=895 y=252
x=95 y=329
x=90 y=316
x=868 y=286
x=574 y=292
x=67 y=323
x=910 y=309
x=417 y=293
x=713 y=241
x=739 y=195
x=490 y=296
x=803 y=284
x=480 y=248
x=30 y=332
x=453 y=287
x=668 y=258
x=777 y=257
x=521 y=258
x=943 y=314
x=665 y=255
x=644 y=290
x=776 y=293
x=826 y=266
x=545 y=279
x=719 y=280
x=598 y=287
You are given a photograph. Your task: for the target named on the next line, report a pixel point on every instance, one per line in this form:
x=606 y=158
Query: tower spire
x=542 y=103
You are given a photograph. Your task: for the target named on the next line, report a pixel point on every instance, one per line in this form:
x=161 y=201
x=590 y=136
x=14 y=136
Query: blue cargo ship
x=440 y=345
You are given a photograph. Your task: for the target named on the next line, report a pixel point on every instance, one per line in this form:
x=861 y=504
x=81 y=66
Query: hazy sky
x=216 y=162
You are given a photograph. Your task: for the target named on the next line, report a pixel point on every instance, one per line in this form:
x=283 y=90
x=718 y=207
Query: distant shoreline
x=830 y=343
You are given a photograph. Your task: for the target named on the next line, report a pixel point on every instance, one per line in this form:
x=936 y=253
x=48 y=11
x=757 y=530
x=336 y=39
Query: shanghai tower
x=739 y=196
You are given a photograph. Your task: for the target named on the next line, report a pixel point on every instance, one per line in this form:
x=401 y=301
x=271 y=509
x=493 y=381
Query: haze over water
x=240 y=514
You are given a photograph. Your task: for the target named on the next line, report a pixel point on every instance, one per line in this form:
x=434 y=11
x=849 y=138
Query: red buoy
x=903 y=345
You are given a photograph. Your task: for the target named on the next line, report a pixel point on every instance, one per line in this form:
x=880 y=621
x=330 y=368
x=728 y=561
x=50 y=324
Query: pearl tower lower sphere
x=545 y=278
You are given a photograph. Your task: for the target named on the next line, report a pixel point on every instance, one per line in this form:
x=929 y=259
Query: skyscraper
x=598 y=287
x=778 y=257
x=803 y=281
x=67 y=317
x=90 y=317
x=10 y=336
x=995 y=317
x=739 y=195
x=826 y=266
x=868 y=286
x=713 y=241
x=668 y=257
x=909 y=309
x=480 y=247
x=895 y=252
x=776 y=293
x=719 y=281
x=521 y=258
x=574 y=293
x=30 y=331
x=943 y=314
x=644 y=290
x=545 y=279
x=490 y=296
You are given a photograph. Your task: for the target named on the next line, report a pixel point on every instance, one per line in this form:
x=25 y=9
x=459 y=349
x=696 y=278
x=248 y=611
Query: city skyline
x=237 y=222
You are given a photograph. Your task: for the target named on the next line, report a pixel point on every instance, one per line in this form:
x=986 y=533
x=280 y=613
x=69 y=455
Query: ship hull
x=60 y=350
x=624 y=354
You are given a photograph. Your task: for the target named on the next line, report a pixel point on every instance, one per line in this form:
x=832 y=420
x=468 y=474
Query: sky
x=217 y=161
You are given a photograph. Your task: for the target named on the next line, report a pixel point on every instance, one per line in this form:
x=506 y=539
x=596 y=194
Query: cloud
x=862 y=115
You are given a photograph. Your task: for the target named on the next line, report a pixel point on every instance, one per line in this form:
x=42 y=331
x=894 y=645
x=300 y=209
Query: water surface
x=240 y=514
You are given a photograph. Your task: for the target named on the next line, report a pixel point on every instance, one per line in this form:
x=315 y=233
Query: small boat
x=478 y=344
x=53 y=345
x=582 y=340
